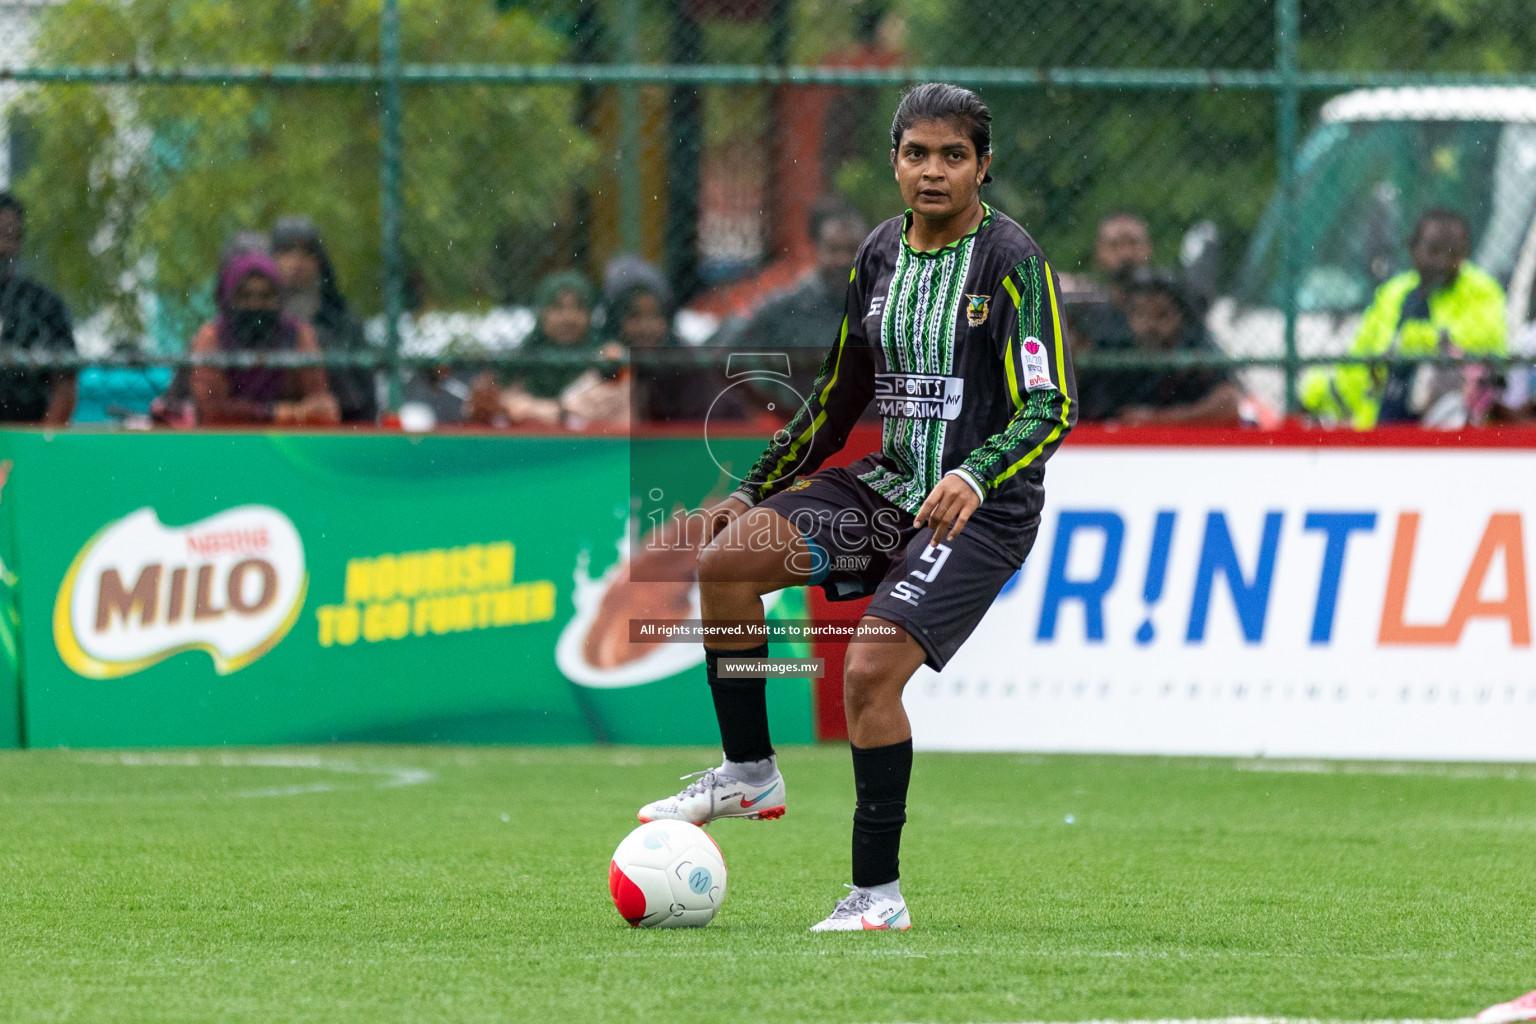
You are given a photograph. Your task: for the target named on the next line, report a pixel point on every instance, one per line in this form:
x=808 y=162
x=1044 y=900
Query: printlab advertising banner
x=248 y=588
x=1370 y=603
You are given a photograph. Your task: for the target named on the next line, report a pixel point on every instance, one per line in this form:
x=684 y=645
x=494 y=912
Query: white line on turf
x=384 y=776
x=1033 y=954
x=1265 y=1020
x=1306 y=766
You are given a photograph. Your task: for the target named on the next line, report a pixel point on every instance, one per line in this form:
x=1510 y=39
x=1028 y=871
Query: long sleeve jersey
x=964 y=352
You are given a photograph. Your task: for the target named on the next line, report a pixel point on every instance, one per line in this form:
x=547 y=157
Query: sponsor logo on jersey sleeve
x=1037 y=371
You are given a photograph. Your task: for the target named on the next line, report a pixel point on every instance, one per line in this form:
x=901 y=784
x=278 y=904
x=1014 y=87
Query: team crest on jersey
x=976 y=309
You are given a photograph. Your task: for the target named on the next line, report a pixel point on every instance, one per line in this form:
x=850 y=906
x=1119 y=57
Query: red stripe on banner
x=1295 y=435
x=828 y=692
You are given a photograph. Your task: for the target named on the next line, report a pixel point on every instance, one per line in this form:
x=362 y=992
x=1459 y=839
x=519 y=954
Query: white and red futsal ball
x=667 y=874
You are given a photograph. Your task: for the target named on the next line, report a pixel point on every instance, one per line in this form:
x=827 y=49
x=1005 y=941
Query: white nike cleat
x=1523 y=1008
x=866 y=911
x=714 y=794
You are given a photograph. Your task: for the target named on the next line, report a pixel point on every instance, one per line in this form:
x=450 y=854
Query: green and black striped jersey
x=964 y=352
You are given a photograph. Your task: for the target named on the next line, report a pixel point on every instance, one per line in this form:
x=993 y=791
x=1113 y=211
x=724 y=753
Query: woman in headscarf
x=250 y=319
x=563 y=304
x=640 y=321
x=311 y=296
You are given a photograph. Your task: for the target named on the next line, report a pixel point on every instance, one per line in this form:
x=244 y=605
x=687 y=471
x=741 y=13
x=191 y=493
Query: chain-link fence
x=454 y=155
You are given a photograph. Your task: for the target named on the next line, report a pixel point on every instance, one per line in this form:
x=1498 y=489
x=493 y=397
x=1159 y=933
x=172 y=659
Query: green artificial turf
x=468 y=884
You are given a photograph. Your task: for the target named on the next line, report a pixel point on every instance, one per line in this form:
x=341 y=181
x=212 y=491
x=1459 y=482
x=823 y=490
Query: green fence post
x=629 y=131
x=1287 y=35
x=390 y=202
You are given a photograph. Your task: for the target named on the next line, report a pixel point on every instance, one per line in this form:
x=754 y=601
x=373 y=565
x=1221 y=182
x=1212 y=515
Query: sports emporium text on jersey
x=918 y=395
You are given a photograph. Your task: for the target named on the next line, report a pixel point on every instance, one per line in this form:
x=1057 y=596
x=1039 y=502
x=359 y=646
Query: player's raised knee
x=717 y=564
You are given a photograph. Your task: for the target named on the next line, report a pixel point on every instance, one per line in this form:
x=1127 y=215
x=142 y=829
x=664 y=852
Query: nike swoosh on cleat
x=760 y=797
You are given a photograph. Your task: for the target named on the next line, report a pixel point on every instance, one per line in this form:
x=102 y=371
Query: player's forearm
x=818 y=431
x=805 y=447
x=1031 y=438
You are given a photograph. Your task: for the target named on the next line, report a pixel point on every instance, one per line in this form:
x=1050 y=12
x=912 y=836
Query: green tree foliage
x=136 y=188
x=1064 y=157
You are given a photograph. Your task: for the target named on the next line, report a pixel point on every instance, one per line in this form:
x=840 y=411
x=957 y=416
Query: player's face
x=1121 y=245
x=566 y=320
x=938 y=170
x=1437 y=253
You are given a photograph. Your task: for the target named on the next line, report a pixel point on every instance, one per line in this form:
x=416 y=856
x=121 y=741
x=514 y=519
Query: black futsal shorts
x=861 y=544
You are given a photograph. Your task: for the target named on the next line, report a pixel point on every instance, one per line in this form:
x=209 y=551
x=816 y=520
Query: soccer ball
x=667 y=874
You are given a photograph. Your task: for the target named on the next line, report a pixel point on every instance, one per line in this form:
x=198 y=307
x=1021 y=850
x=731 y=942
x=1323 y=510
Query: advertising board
x=251 y=588
x=1280 y=601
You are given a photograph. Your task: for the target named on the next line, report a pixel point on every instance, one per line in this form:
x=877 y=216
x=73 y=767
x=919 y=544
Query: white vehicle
x=1376 y=160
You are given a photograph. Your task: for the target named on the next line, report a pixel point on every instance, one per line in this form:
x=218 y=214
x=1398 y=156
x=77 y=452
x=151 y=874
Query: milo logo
x=140 y=591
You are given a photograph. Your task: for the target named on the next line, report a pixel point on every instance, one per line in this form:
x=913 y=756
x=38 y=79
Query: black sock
x=741 y=706
x=880 y=777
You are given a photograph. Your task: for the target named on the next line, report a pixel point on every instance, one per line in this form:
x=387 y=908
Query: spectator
x=1443 y=306
x=563 y=303
x=250 y=319
x=639 y=317
x=1122 y=246
x=625 y=271
x=436 y=396
x=174 y=406
x=640 y=322
x=311 y=296
x=802 y=322
x=34 y=318
x=807 y=315
x=1162 y=319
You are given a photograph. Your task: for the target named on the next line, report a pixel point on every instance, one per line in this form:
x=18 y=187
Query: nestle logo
x=140 y=592
x=235 y=542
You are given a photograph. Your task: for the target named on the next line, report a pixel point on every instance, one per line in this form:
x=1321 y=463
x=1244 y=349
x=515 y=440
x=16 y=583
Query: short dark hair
x=834 y=209
x=1443 y=215
x=1123 y=213
x=8 y=201
x=1154 y=281
x=940 y=101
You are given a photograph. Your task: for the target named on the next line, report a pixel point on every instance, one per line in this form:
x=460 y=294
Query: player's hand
x=720 y=515
x=947 y=508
